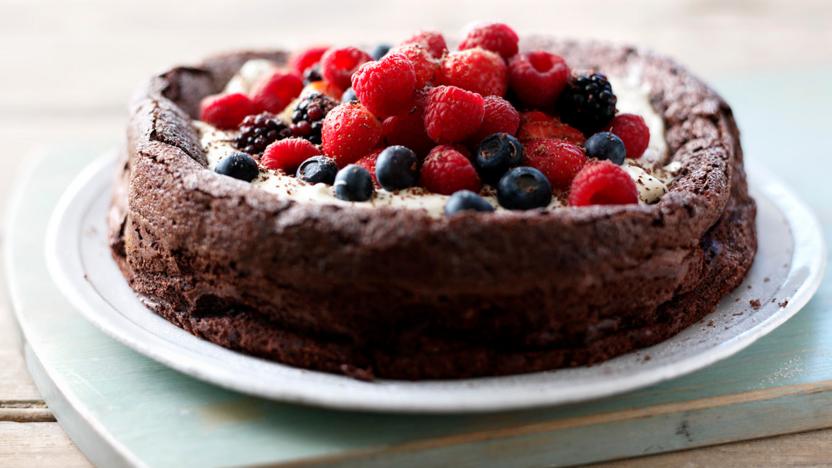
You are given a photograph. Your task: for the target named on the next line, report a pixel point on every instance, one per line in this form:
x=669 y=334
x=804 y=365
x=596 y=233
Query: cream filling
x=633 y=97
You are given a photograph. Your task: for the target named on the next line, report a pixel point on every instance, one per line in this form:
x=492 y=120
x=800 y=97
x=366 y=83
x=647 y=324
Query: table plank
x=38 y=445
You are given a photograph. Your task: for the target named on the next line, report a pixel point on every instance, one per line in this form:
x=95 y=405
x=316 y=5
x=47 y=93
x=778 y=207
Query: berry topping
x=477 y=70
x=397 y=168
x=308 y=116
x=317 y=170
x=538 y=78
x=287 y=154
x=239 y=166
x=338 y=64
x=368 y=161
x=276 y=91
x=588 y=103
x=497 y=154
x=349 y=132
x=432 y=41
x=226 y=111
x=305 y=59
x=424 y=65
x=496 y=37
x=259 y=131
x=633 y=131
x=446 y=170
x=536 y=125
x=353 y=183
x=524 y=188
x=349 y=95
x=312 y=74
x=499 y=116
x=602 y=183
x=385 y=87
x=605 y=145
x=452 y=114
x=380 y=51
x=465 y=200
x=408 y=129
x=558 y=160
x=324 y=87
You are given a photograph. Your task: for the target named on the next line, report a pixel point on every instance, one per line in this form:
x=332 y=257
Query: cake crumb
x=647 y=357
x=711 y=323
x=766 y=279
x=783 y=304
x=755 y=304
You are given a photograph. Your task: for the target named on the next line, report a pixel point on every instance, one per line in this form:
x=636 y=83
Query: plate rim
x=808 y=237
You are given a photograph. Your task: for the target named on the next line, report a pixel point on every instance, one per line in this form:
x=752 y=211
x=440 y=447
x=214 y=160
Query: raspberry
x=349 y=132
x=276 y=91
x=537 y=125
x=452 y=114
x=432 y=41
x=499 y=116
x=226 y=111
x=602 y=183
x=287 y=154
x=259 y=131
x=538 y=78
x=368 y=162
x=633 y=132
x=477 y=70
x=588 y=103
x=338 y=64
x=308 y=115
x=446 y=170
x=424 y=65
x=558 y=160
x=307 y=58
x=385 y=87
x=407 y=129
x=496 y=37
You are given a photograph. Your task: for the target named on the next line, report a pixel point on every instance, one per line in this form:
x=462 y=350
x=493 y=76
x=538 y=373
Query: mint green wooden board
x=123 y=409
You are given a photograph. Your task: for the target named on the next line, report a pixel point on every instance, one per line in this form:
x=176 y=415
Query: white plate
x=786 y=272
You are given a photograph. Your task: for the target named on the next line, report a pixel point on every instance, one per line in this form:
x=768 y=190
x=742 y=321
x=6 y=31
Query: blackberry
x=588 y=103
x=312 y=74
x=308 y=116
x=259 y=131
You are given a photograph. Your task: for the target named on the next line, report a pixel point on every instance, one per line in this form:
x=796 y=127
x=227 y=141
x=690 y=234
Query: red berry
x=424 y=65
x=453 y=114
x=496 y=37
x=275 y=92
x=537 y=125
x=602 y=183
x=558 y=160
x=226 y=111
x=431 y=40
x=349 y=132
x=385 y=87
x=407 y=129
x=339 y=63
x=287 y=154
x=500 y=116
x=537 y=78
x=368 y=162
x=477 y=70
x=306 y=58
x=633 y=131
x=446 y=170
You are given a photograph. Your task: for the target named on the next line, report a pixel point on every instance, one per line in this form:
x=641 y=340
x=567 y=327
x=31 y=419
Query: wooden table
x=69 y=68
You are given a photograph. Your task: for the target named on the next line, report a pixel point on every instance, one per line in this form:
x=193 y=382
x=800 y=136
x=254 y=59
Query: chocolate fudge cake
x=414 y=212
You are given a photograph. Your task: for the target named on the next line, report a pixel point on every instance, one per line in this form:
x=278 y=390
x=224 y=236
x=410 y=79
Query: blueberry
x=397 y=167
x=349 y=96
x=239 y=166
x=524 y=188
x=317 y=169
x=497 y=154
x=353 y=183
x=466 y=200
x=380 y=51
x=605 y=145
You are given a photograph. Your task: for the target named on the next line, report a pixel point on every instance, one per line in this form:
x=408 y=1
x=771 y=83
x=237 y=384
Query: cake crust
x=399 y=294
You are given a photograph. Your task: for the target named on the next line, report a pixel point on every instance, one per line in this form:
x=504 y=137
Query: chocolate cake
x=397 y=293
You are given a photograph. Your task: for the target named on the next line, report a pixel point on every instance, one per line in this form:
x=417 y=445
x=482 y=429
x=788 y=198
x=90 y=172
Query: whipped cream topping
x=633 y=97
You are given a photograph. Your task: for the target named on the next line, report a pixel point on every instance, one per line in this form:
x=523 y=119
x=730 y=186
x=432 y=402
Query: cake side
x=398 y=294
